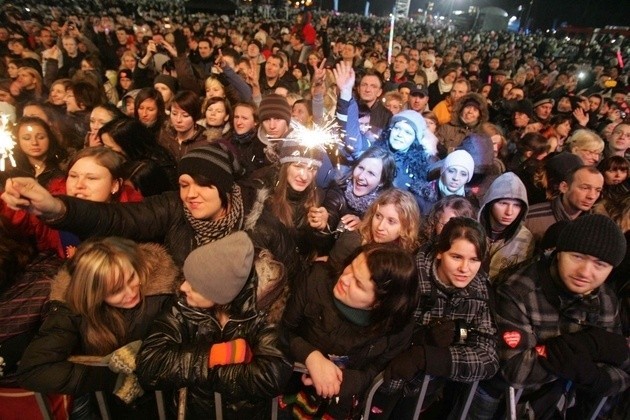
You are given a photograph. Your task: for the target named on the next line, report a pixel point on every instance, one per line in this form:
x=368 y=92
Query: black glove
x=441 y=332
x=568 y=361
x=406 y=365
x=603 y=346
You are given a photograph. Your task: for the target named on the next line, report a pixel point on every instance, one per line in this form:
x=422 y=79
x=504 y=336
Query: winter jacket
x=312 y=322
x=176 y=352
x=543 y=215
x=516 y=242
x=48 y=238
x=452 y=134
x=533 y=306
x=168 y=140
x=476 y=358
x=45 y=367
x=161 y=218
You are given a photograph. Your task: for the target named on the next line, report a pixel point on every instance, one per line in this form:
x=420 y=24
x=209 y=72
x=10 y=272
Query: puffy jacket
x=45 y=367
x=516 y=243
x=175 y=354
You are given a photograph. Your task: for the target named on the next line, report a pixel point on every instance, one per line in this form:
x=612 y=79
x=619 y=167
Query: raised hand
x=344 y=76
x=27 y=194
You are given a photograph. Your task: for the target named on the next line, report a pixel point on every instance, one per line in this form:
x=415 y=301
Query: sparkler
x=6 y=142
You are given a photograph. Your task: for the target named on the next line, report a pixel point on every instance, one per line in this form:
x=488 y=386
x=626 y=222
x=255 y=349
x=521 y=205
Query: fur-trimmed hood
x=484 y=115
x=163 y=277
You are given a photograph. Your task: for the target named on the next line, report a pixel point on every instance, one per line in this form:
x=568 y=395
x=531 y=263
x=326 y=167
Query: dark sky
x=545 y=13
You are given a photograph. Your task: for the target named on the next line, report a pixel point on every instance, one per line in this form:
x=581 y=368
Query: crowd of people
x=169 y=222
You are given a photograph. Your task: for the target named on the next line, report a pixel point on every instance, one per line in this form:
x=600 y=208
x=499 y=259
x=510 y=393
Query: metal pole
x=391 y=36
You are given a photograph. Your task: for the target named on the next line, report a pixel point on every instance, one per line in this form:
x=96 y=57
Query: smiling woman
x=102 y=301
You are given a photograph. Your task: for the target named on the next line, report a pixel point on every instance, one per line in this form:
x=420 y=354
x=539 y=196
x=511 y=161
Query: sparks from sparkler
x=6 y=142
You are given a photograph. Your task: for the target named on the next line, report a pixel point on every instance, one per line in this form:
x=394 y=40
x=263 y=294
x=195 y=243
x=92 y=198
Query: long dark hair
x=463 y=228
x=280 y=205
x=394 y=273
x=55 y=154
x=151 y=93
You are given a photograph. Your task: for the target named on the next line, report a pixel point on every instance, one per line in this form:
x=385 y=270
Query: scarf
x=207 y=231
x=243 y=138
x=444 y=87
x=359 y=204
x=360 y=317
x=445 y=191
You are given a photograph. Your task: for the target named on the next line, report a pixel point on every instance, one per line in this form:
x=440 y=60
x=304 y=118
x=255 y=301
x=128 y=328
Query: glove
x=229 y=353
x=406 y=365
x=568 y=361
x=603 y=346
x=123 y=360
x=441 y=332
x=128 y=388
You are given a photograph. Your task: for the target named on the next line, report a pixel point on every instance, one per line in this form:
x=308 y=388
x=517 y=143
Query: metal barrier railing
x=514 y=395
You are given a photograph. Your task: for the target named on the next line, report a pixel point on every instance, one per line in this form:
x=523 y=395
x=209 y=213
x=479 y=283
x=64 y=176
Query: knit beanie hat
x=460 y=158
x=220 y=269
x=524 y=106
x=414 y=119
x=595 y=235
x=211 y=162
x=167 y=80
x=274 y=106
x=560 y=165
x=294 y=152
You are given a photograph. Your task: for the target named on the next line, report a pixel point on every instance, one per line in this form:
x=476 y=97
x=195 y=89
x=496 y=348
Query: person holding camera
x=454 y=337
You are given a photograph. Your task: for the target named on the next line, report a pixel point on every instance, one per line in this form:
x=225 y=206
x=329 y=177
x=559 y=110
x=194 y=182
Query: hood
x=507 y=185
x=474 y=97
x=162 y=278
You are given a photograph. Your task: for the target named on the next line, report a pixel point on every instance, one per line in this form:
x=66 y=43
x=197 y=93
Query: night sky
x=545 y=13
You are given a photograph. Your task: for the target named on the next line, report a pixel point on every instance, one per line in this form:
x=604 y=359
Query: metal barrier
x=514 y=395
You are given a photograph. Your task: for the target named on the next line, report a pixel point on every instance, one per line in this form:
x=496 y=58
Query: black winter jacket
x=312 y=322
x=175 y=355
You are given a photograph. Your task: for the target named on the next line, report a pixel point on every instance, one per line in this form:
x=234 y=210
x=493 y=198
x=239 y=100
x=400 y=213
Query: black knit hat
x=274 y=106
x=524 y=106
x=595 y=235
x=167 y=80
x=294 y=152
x=211 y=162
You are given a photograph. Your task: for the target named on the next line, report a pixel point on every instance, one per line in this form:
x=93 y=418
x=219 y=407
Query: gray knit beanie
x=220 y=269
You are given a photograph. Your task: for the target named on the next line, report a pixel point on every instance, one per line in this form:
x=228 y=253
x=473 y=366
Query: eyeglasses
x=591 y=153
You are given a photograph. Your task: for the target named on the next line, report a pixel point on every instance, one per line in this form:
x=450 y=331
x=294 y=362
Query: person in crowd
x=532 y=148
x=293 y=192
x=209 y=206
x=392 y=218
x=220 y=334
x=347 y=201
x=578 y=193
x=442 y=211
x=302 y=112
x=57 y=93
x=25 y=277
x=182 y=133
x=81 y=98
x=38 y=154
x=558 y=132
x=167 y=86
x=346 y=327
x=100 y=115
x=217 y=116
x=274 y=113
x=469 y=113
x=101 y=303
x=445 y=109
x=456 y=171
x=94 y=174
x=502 y=213
x=499 y=143
x=431 y=120
x=453 y=294
x=244 y=141
x=615 y=170
x=440 y=89
x=576 y=347
x=587 y=145
x=149 y=167
x=618 y=141
x=150 y=110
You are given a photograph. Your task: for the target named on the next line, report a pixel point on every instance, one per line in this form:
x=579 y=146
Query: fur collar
x=162 y=279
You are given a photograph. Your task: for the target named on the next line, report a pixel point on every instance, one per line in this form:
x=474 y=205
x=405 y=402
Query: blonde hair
x=408 y=213
x=39 y=82
x=96 y=271
x=214 y=81
x=585 y=140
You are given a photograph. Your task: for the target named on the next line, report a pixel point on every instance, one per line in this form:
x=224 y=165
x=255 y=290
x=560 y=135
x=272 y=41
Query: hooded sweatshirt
x=515 y=243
